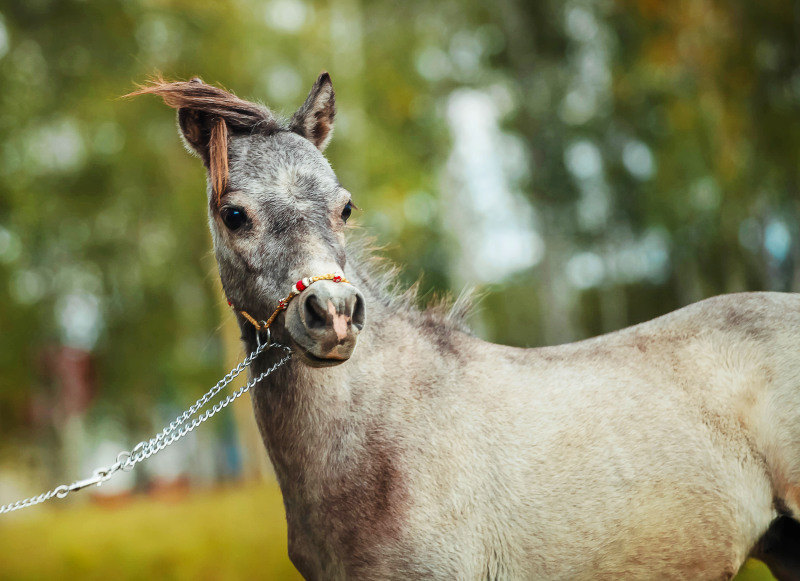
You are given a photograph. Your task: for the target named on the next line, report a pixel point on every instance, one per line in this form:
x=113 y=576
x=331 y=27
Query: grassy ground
x=235 y=533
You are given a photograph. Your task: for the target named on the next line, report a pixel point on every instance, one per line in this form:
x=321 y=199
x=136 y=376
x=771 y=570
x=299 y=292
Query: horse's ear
x=195 y=126
x=314 y=120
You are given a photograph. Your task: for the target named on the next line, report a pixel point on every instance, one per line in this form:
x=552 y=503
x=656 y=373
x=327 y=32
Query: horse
x=407 y=448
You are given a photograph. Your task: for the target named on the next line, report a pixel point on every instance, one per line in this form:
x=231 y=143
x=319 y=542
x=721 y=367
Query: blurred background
x=586 y=164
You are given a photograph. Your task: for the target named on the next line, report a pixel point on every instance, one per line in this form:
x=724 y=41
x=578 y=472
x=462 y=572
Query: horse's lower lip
x=322 y=361
x=314 y=359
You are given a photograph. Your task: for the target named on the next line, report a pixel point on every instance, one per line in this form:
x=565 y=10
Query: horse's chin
x=313 y=360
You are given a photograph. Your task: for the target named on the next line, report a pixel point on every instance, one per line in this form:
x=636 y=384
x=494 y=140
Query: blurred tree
x=658 y=162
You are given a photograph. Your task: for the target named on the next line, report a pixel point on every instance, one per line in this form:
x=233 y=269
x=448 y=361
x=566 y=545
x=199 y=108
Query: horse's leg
x=779 y=548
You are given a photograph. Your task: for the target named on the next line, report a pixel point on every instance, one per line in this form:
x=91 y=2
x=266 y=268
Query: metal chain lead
x=173 y=432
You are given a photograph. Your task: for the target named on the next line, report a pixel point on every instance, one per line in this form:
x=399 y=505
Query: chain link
x=174 y=431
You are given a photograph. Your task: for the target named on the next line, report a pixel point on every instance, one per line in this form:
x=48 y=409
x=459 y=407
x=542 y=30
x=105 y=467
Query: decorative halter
x=297 y=288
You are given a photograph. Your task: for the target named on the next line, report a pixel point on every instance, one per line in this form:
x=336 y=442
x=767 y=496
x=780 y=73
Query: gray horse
x=666 y=450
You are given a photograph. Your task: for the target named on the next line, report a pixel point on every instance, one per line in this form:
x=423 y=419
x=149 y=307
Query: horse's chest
x=347 y=525
x=350 y=534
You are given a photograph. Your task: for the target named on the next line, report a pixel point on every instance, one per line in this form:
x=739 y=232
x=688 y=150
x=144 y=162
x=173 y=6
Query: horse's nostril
x=359 y=312
x=315 y=313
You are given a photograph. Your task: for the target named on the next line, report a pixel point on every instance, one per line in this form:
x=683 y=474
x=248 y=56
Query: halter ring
x=258 y=335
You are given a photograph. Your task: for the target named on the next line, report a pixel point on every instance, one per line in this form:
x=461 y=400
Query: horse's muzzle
x=324 y=322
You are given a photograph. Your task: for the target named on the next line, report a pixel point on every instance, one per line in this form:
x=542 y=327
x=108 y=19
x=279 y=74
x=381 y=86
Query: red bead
x=300 y=286
x=337 y=279
x=230 y=304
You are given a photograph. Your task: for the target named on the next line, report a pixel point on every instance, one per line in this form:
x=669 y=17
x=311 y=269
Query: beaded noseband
x=297 y=288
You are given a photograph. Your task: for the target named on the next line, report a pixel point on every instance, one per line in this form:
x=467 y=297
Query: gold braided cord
x=285 y=302
x=247 y=316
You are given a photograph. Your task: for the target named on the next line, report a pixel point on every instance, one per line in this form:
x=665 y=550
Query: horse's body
x=652 y=452
x=661 y=451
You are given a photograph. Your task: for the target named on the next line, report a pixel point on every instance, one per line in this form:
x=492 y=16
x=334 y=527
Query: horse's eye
x=233 y=217
x=348 y=209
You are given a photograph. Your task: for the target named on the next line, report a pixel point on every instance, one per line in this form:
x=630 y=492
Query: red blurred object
x=71 y=384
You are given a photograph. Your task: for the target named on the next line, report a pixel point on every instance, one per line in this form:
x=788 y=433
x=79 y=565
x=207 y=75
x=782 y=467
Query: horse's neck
x=316 y=422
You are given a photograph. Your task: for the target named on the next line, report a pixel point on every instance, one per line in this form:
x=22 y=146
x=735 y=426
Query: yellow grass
x=237 y=533
x=233 y=533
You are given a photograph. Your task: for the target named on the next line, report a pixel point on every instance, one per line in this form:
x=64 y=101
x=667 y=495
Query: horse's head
x=276 y=210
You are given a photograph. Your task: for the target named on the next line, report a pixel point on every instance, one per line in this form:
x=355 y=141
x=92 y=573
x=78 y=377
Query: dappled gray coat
x=406 y=448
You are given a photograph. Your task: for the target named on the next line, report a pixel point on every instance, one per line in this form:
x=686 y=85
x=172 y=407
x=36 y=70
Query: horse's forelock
x=198 y=96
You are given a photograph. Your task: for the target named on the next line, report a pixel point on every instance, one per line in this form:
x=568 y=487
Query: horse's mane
x=381 y=279
x=216 y=110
